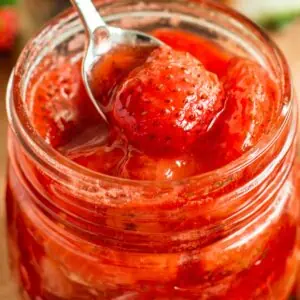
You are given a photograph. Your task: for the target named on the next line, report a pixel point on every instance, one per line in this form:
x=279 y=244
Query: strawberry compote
x=186 y=193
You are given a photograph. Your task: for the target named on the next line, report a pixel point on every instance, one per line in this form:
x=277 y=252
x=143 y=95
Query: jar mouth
x=48 y=157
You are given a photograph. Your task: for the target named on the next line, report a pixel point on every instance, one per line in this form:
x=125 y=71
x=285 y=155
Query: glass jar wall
x=228 y=234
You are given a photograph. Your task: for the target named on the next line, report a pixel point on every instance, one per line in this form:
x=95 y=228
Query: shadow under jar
x=228 y=234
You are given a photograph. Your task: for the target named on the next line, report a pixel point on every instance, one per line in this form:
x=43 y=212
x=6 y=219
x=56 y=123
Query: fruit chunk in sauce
x=169 y=109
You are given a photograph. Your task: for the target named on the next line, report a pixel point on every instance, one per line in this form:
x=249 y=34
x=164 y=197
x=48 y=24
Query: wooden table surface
x=288 y=40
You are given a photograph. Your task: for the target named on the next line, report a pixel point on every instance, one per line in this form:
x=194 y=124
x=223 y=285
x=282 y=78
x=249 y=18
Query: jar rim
x=45 y=155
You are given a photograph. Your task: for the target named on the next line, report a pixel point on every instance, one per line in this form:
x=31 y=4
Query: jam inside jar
x=230 y=233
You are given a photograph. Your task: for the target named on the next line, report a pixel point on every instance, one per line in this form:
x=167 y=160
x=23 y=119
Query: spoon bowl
x=101 y=40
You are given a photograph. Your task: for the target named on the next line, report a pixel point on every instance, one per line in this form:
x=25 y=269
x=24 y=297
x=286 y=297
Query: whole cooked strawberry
x=8 y=27
x=167 y=103
x=60 y=104
x=250 y=93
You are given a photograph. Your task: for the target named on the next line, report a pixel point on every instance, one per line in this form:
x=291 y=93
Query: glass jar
x=228 y=234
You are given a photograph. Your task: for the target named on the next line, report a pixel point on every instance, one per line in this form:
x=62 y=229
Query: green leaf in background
x=279 y=21
x=272 y=14
x=7 y=2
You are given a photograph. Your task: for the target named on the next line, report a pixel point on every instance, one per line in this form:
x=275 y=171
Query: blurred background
x=20 y=19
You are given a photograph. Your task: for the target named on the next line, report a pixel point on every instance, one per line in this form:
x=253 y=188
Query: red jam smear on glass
x=168 y=109
x=174 y=113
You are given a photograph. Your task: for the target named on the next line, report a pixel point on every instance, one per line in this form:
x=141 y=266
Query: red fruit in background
x=250 y=93
x=8 y=27
x=164 y=105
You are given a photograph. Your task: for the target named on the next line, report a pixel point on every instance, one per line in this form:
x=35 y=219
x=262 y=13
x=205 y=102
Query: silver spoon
x=101 y=39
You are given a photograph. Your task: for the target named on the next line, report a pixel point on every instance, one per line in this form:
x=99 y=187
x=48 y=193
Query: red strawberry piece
x=8 y=28
x=212 y=56
x=143 y=167
x=59 y=103
x=105 y=268
x=113 y=68
x=164 y=105
x=54 y=281
x=250 y=93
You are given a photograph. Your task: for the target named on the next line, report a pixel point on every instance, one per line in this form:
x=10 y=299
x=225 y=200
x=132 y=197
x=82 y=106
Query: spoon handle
x=89 y=15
